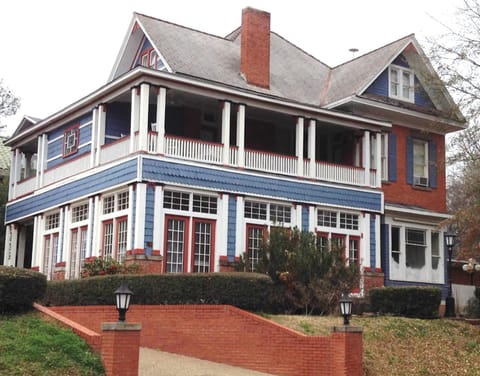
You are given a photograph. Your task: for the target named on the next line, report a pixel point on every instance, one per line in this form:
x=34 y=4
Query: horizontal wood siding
x=380 y=85
x=232 y=225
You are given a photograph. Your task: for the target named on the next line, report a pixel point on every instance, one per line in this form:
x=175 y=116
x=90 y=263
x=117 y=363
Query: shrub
x=19 y=288
x=106 y=266
x=420 y=302
x=472 y=310
x=248 y=291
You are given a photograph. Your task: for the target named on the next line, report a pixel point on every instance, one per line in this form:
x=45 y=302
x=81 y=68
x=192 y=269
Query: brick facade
x=229 y=335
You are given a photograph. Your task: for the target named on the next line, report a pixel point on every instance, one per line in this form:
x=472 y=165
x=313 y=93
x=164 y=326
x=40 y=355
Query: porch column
x=21 y=243
x=11 y=238
x=160 y=121
x=241 y=135
x=311 y=148
x=299 y=146
x=100 y=132
x=42 y=148
x=378 y=158
x=91 y=222
x=93 y=146
x=28 y=165
x=366 y=156
x=143 y=117
x=15 y=171
x=134 y=118
x=140 y=207
x=11 y=180
x=158 y=216
x=226 y=132
x=97 y=229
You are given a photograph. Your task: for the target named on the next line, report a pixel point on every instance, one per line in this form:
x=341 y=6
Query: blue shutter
x=385 y=249
x=432 y=164
x=392 y=157
x=409 y=150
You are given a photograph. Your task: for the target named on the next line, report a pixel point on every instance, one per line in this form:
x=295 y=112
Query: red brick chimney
x=255 y=49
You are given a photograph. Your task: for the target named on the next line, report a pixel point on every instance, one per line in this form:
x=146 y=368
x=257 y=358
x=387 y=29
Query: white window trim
x=419 y=180
x=411 y=84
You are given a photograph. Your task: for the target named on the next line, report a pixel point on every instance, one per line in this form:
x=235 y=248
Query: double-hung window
x=415 y=248
x=401 y=83
x=420 y=163
x=115 y=225
x=50 y=249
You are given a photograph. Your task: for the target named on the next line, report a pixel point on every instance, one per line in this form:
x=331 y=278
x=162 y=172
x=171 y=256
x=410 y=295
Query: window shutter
x=432 y=164
x=392 y=157
x=409 y=150
x=385 y=248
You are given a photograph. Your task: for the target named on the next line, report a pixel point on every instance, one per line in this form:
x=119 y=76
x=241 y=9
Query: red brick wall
x=403 y=193
x=372 y=279
x=229 y=335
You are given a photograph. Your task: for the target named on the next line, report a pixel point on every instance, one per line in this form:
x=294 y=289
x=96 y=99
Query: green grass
x=33 y=347
x=397 y=346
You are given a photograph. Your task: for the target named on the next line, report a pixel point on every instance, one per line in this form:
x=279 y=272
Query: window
x=415 y=248
x=118 y=201
x=70 y=140
x=203 y=245
x=80 y=213
x=176 y=200
x=280 y=213
x=78 y=248
x=420 y=163
x=52 y=221
x=50 y=254
x=176 y=244
x=327 y=218
x=354 y=250
x=396 y=244
x=435 y=250
x=204 y=204
x=384 y=155
x=149 y=58
x=401 y=84
x=255 y=210
x=255 y=238
x=349 y=221
x=115 y=238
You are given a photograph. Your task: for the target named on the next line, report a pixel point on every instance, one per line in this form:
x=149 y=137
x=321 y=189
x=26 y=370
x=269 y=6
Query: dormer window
x=70 y=140
x=149 y=59
x=401 y=83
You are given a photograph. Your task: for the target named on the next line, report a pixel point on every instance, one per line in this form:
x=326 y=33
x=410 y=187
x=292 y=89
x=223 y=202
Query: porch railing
x=339 y=173
x=63 y=170
x=270 y=162
x=193 y=150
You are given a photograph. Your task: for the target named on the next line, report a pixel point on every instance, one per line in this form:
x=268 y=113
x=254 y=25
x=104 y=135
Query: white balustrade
x=270 y=162
x=340 y=174
x=193 y=150
x=233 y=155
x=373 y=178
x=152 y=142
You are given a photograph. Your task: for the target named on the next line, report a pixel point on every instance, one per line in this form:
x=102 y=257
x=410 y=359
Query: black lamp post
x=122 y=300
x=450 y=301
x=346 y=308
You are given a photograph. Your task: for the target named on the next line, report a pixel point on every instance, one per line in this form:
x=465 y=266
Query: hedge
x=248 y=291
x=19 y=288
x=420 y=302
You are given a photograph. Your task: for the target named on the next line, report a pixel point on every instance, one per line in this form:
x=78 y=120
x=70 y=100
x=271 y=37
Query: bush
x=472 y=310
x=420 y=302
x=103 y=266
x=248 y=291
x=19 y=288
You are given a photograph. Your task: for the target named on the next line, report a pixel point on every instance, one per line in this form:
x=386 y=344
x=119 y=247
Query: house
x=199 y=144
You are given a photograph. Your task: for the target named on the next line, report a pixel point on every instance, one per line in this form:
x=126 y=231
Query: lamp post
x=346 y=308
x=122 y=300
x=450 y=300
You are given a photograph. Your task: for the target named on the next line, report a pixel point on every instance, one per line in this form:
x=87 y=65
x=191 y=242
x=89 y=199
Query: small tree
x=9 y=103
x=313 y=276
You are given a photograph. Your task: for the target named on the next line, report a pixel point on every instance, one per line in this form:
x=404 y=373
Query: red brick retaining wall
x=229 y=335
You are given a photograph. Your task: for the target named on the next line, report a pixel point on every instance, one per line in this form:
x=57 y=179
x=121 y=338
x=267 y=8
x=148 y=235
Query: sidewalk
x=159 y=363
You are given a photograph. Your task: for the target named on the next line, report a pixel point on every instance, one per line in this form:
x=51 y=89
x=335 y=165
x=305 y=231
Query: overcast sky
x=55 y=52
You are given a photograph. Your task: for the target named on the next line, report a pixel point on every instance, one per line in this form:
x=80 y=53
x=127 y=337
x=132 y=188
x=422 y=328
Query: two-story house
x=199 y=144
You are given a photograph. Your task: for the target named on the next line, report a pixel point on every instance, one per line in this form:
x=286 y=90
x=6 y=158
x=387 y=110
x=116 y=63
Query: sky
x=53 y=53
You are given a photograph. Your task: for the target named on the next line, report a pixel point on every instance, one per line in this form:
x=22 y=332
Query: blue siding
x=233 y=182
x=432 y=165
x=59 y=131
x=305 y=218
x=444 y=288
x=421 y=96
x=385 y=249
x=372 y=242
x=83 y=150
x=149 y=215
x=146 y=45
x=380 y=85
x=392 y=157
x=117 y=121
x=120 y=174
x=401 y=61
x=231 y=231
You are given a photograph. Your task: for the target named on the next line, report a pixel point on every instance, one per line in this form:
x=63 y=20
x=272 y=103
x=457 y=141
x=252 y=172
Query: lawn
x=33 y=347
x=405 y=347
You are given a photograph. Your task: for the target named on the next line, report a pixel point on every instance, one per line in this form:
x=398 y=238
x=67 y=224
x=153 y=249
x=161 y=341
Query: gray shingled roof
x=294 y=74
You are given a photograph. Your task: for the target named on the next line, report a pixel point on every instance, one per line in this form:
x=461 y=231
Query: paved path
x=159 y=363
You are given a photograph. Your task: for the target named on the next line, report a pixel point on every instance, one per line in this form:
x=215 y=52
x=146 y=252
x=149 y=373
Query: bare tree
x=9 y=103
x=456 y=57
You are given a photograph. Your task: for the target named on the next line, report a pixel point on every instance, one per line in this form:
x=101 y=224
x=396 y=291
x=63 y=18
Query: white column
x=161 y=107
x=143 y=117
x=66 y=240
x=312 y=220
x=39 y=161
x=311 y=148
x=35 y=247
x=378 y=158
x=97 y=228
x=60 y=249
x=158 y=219
x=366 y=156
x=241 y=135
x=100 y=132
x=93 y=141
x=140 y=206
x=226 y=132
x=11 y=239
x=240 y=227
x=21 y=246
x=15 y=171
x=221 y=231
x=365 y=246
x=299 y=146
x=298 y=216
x=91 y=225
x=42 y=162
x=11 y=181
x=134 y=118
x=378 y=251
x=130 y=224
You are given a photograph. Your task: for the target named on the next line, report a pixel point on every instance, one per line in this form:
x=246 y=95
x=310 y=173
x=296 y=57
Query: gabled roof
x=25 y=123
x=294 y=74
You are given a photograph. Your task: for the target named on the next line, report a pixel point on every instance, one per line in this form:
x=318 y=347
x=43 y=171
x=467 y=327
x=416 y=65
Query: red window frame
x=357 y=239
x=51 y=254
x=147 y=55
x=115 y=238
x=212 y=223
x=185 y=242
x=76 y=129
x=247 y=251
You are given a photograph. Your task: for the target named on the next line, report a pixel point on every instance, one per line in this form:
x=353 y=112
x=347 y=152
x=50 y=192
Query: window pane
x=175 y=245
x=108 y=240
x=435 y=250
x=176 y=200
x=280 y=213
x=327 y=218
x=415 y=249
x=395 y=244
x=349 y=221
x=353 y=248
x=202 y=247
x=121 y=239
x=255 y=210
x=204 y=204
x=255 y=239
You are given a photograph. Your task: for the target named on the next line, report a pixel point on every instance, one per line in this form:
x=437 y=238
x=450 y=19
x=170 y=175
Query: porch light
x=346 y=308
x=122 y=300
x=449 y=238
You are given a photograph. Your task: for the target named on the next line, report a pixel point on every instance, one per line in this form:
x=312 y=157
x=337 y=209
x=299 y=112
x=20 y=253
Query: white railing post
x=366 y=157
x=100 y=138
x=93 y=142
x=311 y=148
x=226 y=132
x=134 y=118
x=143 y=117
x=378 y=159
x=161 y=106
x=241 y=135
x=299 y=145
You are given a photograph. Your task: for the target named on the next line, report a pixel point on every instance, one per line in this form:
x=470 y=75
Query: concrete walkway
x=159 y=363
